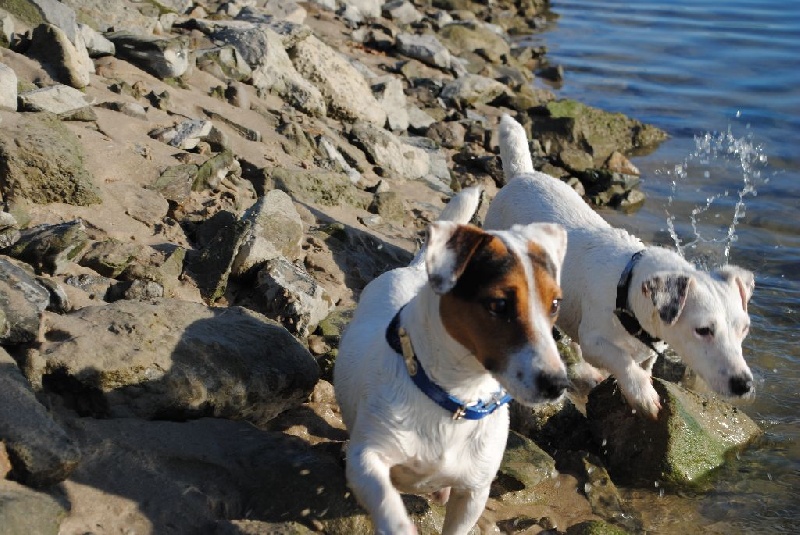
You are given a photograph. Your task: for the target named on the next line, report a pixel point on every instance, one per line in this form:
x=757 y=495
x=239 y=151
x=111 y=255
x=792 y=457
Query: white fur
x=597 y=256
x=400 y=439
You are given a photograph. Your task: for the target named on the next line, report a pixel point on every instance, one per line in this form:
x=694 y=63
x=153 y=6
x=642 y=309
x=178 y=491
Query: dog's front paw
x=649 y=402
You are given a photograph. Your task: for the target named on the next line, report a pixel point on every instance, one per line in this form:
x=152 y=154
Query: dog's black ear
x=668 y=294
x=449 y=247
x=743 y=279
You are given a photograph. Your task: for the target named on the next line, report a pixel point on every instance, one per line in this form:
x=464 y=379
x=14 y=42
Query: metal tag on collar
x=408 y=351
x=460 y=412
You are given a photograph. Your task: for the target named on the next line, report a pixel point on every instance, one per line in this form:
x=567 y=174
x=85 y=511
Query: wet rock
x=22 y=301
x=426 y=48
x=163 y=57
x=595 y=527
x=346 y=92
x=567 y=123
x=173 y=359
x=604 y=497
x=618 y=163
x=40 y=451
x=57 y=99
x=8 y=88
x=275 y=230
x=287 y=293
x=24 y=511
x=66 y=58
x=524 y=466
x=41 y=160
x=51 y=248
x=691 y=437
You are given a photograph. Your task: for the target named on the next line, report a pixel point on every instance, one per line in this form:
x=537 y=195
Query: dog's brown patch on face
x=544 y=274
x=488 y=310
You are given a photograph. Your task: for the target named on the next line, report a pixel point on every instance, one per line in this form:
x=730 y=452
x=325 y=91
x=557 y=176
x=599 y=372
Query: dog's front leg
x=368 y=476
x=463 y=510
x=635 y=382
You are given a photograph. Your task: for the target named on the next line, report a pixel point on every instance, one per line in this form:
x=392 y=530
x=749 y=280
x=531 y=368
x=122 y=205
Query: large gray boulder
x=692 y=435
x=346 y=91
x=173 y=359
x=40 y=451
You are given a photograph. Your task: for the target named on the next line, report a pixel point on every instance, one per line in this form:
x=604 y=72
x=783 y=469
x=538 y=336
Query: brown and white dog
x=622 y=298
x=432 y=356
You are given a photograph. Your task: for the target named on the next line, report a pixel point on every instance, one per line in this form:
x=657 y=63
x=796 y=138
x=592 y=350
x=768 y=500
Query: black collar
x=625 y=315
x=397 y=338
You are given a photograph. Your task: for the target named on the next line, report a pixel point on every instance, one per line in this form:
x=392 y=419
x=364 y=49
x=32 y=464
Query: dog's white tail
x=514 y=151
x=461 y=209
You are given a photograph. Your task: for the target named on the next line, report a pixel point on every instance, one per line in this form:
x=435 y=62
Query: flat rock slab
x=173 y=359
x=692 y=436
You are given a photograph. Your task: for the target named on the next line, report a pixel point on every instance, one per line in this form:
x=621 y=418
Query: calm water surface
x=723 y=78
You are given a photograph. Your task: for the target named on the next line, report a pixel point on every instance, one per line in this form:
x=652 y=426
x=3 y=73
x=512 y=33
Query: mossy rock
x=693 y=435
x=319 y=187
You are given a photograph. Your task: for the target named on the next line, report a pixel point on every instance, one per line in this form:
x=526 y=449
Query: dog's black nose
x=741 y=385
x=552 y=386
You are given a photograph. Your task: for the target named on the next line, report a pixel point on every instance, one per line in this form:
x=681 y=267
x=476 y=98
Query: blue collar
x=459 y=409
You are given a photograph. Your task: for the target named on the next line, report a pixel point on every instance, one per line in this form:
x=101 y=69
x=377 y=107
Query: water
x=723 y=78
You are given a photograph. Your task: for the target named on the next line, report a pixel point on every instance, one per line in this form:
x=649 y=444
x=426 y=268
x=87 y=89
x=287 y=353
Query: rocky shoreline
x=195 y=193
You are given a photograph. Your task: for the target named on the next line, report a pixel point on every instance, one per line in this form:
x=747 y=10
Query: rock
x=618 y=163
x=50 y=248
x=595 y=527
x=461 y=38
x=110 y=257
x=368 y=8
x=185 y=135
x=8 y=88
x=402 y=12
x=691 y=437
x=346 y=92
x=285 y=10
x=175 y=183
x=389 y=93
x=58 y=99
x=162 y=57
x=321 y=187
x=40 y=451
x=24 y=511
x=214 y=170
x=524 y=466
x=605 y=499
x=472 y=89
x=275 y=230
x=41 y=160
x=199 y=361
x=103 y=15
x=9 y=230
x=288 y=294
x=329 y=150
x=272 y=69
x=389 y=205
x=36 y=12
x=22 y=302
x=224 y=62
x=398 y=158
x=96 y=44
x=67 y=59
x=212 y=267
x=6 y=28
x=567 y=123
x=426 y=48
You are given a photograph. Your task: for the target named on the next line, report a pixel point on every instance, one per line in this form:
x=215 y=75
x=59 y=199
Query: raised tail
x=462 y=208
x=514 y=151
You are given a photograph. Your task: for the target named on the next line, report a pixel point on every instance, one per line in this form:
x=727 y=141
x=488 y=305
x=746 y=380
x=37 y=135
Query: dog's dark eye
x=497 y=307
x=555 y=306
x=704 y=331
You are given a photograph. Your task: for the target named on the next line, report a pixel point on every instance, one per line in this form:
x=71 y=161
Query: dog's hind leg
x=368 y=477
x=464 y=509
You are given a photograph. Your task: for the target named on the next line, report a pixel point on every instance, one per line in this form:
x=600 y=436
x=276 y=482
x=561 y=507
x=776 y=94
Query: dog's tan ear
x=744 y=280
x=668 y=294
x=449 y=248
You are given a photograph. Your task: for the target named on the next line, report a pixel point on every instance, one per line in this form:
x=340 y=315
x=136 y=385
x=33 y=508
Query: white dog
x=621 y=298
x=433 y=354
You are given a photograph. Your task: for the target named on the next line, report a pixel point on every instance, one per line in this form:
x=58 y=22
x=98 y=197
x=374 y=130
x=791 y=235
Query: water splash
x=715 y=154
